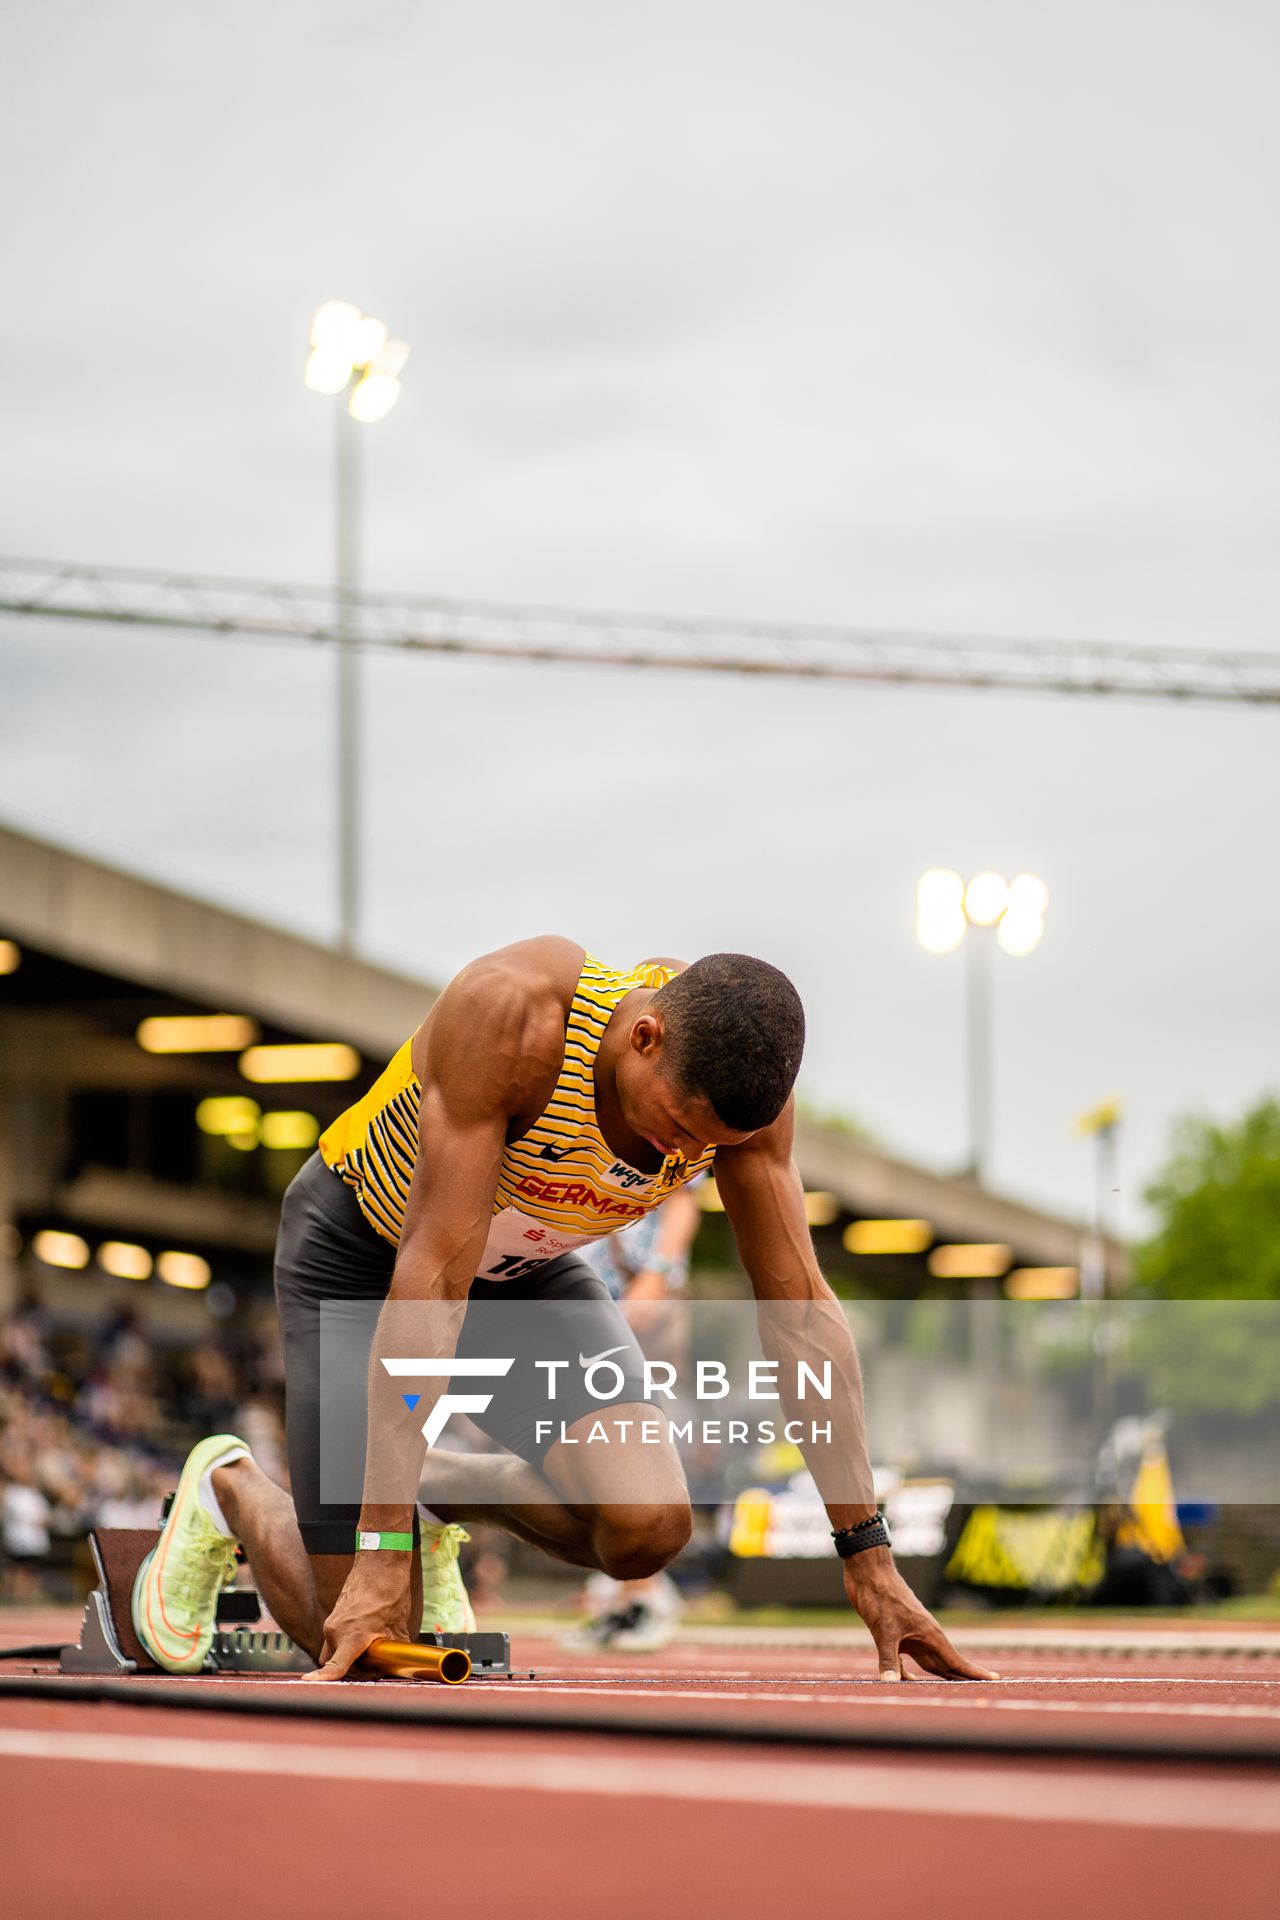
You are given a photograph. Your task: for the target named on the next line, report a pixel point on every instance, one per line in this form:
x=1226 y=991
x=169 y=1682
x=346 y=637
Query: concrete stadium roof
x=97 y=916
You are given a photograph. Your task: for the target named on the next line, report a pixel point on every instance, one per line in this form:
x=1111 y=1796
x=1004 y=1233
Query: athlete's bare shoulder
x=663 y=960
x=502 y=1018
x=538 y=976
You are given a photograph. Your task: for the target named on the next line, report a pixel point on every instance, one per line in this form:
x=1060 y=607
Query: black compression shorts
x=326 y=1251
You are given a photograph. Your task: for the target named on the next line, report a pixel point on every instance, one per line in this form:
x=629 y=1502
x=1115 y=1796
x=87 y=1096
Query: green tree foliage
x=1217 y=1200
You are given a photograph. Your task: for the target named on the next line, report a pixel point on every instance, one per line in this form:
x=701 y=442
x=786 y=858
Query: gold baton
x=409 y=1660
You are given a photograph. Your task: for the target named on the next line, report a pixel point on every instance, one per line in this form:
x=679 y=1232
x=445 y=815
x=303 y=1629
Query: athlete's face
x=659 y=1109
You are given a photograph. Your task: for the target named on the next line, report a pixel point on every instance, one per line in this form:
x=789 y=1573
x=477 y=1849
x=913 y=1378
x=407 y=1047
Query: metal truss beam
x=419 y=623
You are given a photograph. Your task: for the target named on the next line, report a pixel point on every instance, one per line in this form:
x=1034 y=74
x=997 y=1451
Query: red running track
x=118 y=1810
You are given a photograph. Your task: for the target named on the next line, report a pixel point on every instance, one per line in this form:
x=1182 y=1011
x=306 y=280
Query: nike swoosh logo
x=589 y=1360
x=555 y=1153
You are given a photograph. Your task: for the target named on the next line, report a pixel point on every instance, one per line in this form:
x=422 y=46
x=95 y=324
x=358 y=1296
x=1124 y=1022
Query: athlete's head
x=722 y=1042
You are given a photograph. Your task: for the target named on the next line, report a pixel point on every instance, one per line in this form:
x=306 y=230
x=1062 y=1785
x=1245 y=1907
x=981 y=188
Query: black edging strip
x=734 y=1730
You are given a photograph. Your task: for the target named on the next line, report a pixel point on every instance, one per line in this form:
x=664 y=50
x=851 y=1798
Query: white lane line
x=899 y=1699
x=658 y=1683
x=997 y=1793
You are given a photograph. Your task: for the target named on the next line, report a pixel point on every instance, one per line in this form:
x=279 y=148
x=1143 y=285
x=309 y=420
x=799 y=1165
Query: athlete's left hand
x=899 y=1624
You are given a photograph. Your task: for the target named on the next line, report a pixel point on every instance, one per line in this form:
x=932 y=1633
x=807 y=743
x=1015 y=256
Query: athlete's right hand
x=373 y=1605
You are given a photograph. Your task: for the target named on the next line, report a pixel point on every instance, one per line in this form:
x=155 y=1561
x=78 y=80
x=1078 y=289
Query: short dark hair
x=733 y=1031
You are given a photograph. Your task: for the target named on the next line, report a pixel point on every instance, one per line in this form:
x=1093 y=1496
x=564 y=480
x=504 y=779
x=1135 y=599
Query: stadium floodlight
x=369 y=339
x=985 y=899
x=373 y=397
x=940 y=910
x=1014 y=910
x=326 y=371
x=1018 y=934
x=390 y=359
x=353 y=350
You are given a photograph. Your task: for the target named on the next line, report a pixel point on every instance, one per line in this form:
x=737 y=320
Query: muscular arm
x=471 y=1075
x=481 y=1057
x=801 y=1319
x=799 y=1316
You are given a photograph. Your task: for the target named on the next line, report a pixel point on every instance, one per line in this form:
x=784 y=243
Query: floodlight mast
x=351 y=355
x=1010 y=914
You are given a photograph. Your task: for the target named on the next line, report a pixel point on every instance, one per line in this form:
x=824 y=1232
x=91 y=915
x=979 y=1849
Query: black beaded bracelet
x=867 y=1533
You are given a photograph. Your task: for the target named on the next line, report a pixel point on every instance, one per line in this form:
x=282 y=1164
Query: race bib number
x=518 y=1245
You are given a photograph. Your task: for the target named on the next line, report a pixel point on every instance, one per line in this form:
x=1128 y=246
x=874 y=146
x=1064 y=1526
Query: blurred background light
x=326 y=371
x=228 y=1113
x=940 y=890
x=186 y=1270
x=197 y=1033
x=940 y=932
x=325 y=1060
x=335 y=326
x=887 y=1236
x=1100 y=1119
x=940 y=910
x=373 y=397
x=820 y=1209
x=391 y=358
x=289 y=1130
x=985 y=899
x=125 y=1260
x=1028 y=894
x=1019 y=933
x=60 y=1249
x=10 y=956
x=1043 y=1283
x=369 y=339
x=985 y=1260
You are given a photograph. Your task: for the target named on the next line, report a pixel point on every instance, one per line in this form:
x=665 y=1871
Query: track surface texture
x=742 y=1778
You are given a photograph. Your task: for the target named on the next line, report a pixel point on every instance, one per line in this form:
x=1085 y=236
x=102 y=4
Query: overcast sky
x=955 y=314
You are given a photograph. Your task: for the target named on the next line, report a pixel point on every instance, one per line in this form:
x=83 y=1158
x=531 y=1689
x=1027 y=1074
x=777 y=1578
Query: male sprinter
x=545 y=1100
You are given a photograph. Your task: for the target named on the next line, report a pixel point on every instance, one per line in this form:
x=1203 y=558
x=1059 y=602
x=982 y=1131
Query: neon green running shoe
x=175 y=1596
x=445 y=1606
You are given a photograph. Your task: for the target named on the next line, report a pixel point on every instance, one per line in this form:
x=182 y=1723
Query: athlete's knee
x=634 y=1542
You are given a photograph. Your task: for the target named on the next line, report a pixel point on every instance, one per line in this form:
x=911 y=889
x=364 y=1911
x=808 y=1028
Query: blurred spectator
x=24 y=1534
x=94 y=1431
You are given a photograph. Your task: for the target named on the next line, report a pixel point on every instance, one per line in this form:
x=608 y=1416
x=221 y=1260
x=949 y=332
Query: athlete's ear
x=646 y=1035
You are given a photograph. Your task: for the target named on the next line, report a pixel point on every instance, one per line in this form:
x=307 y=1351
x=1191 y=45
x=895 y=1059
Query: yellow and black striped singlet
x=559 y=1187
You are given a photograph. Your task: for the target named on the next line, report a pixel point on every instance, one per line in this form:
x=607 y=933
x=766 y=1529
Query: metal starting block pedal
x=108 y=1643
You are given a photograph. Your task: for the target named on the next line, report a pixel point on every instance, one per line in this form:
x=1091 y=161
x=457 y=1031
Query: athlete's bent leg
x=299 y=1588
x=261 y=1516
x=614 y=1506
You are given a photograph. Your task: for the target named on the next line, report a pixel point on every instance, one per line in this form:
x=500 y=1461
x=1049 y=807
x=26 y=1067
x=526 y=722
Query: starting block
x=108 y=1643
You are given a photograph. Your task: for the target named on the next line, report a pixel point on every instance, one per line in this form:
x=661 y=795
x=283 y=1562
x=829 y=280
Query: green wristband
x=371 y=1542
